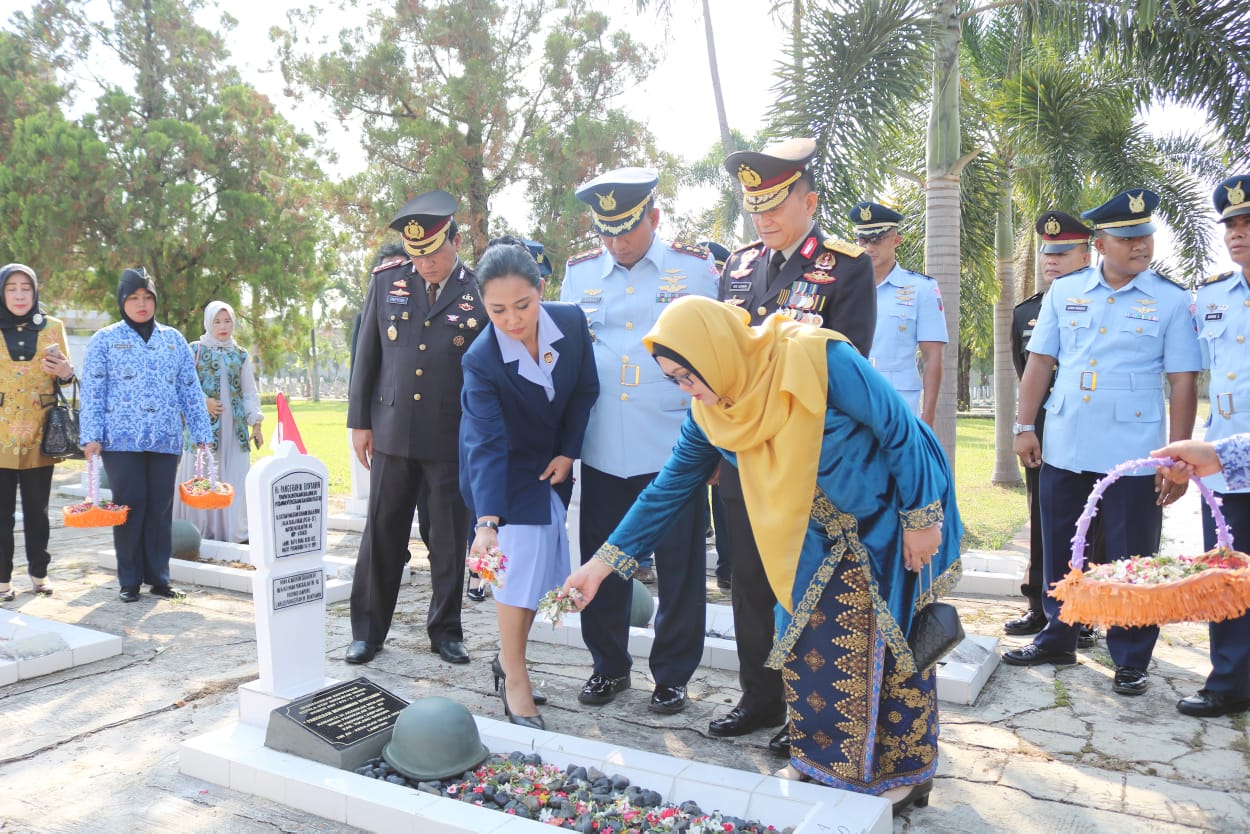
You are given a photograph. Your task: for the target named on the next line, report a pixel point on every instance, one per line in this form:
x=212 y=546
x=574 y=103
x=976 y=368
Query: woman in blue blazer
x=529 y=384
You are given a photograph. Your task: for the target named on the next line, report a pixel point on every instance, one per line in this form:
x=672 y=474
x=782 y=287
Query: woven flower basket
x=92 y=512
x=204 y=491
x=1154 y=590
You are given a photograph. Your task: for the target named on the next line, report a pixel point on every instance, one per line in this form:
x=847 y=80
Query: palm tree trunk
x=941 y=251
x=726 y=137
x=1006 y=469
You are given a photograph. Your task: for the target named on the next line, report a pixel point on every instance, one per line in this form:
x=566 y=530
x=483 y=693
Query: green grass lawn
x=992 y=514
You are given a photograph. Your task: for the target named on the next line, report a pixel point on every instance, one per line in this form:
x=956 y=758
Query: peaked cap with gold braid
x=1060 y=232
x=618 y=199
x=1127 y=214
x=1232 y=197
x=768 y=175
x=424 y=222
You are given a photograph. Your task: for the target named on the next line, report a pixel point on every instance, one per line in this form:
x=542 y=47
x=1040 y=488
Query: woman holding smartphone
x=35 y=359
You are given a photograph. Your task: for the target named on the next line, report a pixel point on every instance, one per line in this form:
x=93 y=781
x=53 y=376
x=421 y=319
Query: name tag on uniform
x=739 y=286
x=1076 y=308
x=123 y=347
x=393 y=299
x=1213 y=316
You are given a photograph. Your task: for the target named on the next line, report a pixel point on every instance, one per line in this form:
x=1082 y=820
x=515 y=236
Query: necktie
x=774 y=267
x=431 y=294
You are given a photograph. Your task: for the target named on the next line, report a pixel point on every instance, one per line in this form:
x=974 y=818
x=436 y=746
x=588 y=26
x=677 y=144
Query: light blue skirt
x=538 y=558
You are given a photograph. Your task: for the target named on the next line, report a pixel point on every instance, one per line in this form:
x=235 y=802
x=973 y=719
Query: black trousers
x=1230 y=639
x=681 y=574
x=753 y=602
x=1095 y=553
x=1131 y=524
x=36 y=487
x=394 y=483
x=143 y=481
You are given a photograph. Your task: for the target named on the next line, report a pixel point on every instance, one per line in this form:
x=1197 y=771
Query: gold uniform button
x=901 y=328
x=427 y=324
x=1102 y=330
x=1232 y=375
x=629 y=325
x=624 y=397
x=1110 y=300
x=1093 y=362
x=625 y=359
x=1139 y=414
x=1072 y=323
x=1085 y=398
x=1139 y=330
x=420 y=372
x=416 y=396
x=629 y=290
x=1240 y=339
x=420 y=347
x=1246 y=302
x=763 y=311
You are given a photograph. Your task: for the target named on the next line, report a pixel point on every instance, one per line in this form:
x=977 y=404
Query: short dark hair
x=503 y=259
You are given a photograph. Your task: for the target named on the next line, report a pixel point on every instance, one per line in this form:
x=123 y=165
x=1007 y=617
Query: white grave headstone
x=286 y=500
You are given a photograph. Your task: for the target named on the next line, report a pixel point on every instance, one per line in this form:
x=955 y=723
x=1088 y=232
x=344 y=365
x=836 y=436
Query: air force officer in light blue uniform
x=622 y=287
x=1114 y=330
x=910 y=318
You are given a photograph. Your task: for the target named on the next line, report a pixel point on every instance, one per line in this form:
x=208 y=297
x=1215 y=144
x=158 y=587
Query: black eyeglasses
x=685 y=378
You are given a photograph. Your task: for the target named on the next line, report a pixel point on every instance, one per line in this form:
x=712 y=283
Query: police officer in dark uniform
x=419 y=318
x=1065 y=248
x=794 y=270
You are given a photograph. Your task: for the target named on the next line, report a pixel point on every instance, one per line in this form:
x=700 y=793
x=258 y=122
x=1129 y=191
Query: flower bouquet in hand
x=1155 y=590
x=490 y=565
x=204 y=491
x=557 y=602
x=93 y=512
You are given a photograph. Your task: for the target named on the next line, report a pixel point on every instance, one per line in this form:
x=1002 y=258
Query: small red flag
x=287 y=430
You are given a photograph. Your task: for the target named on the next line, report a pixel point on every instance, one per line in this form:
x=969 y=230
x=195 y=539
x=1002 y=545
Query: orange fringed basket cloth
x=92 y=512
x=205 y=492
x=1154 y=590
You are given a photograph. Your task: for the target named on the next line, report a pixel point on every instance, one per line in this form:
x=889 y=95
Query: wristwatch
x=1021 y=428
x=489 y=525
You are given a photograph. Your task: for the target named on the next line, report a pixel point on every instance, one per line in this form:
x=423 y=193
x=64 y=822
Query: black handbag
x=60 y=427
x=935 y=630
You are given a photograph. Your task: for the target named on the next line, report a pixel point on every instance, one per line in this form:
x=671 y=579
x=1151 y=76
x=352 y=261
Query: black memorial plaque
x=344 y=725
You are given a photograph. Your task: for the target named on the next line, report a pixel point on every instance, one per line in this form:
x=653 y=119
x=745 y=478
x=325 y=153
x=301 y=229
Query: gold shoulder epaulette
x=390 y=263
x=585 y=256
x=690 y=249
x=1215 y=279
x=843 y=247
x=750 y=245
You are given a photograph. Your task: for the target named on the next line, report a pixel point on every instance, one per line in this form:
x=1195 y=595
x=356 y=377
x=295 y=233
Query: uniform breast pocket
x=674 y=400
x=1054 y=405
x=1140 y=327
x=1074 y=329
x=1139 y=410
x=1212 y=335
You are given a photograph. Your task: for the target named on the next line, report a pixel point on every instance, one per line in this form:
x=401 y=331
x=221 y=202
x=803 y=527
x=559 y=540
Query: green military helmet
x=434 y=738
x=641 y=605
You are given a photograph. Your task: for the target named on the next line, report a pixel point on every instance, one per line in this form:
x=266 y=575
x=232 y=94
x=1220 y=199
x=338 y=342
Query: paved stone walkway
x=94 y=749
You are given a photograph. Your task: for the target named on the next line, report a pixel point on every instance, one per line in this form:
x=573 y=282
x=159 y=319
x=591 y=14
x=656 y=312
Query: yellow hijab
x=773 y=381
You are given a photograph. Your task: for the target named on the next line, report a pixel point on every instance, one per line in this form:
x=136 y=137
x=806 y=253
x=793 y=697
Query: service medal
x=457 y=340
x=392 y=333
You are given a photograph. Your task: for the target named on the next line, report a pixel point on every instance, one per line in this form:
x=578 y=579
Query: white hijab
x=210 y=312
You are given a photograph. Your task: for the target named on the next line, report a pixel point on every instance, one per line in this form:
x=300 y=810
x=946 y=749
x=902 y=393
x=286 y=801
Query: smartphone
x=54 y=351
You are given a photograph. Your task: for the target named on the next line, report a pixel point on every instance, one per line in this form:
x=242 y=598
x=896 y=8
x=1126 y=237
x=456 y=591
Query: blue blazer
x=508 y=430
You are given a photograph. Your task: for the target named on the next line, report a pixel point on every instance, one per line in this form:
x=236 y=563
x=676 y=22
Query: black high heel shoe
x=918 y=796
x=534 y=722
x=496 y=669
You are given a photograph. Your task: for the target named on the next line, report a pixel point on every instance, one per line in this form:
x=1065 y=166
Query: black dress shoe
x=129 y=595
x=668 y=700
x=451 y=650
x=741 y=721
x=780 y=743
x=167 y=592
x=1088 y=638
x=477 y=594
x=918 y=796
x=1130 y=681
x=1031 y=623
x=361 y=651
x=1035 y=655
x=1208 y=704
x=602 y=689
